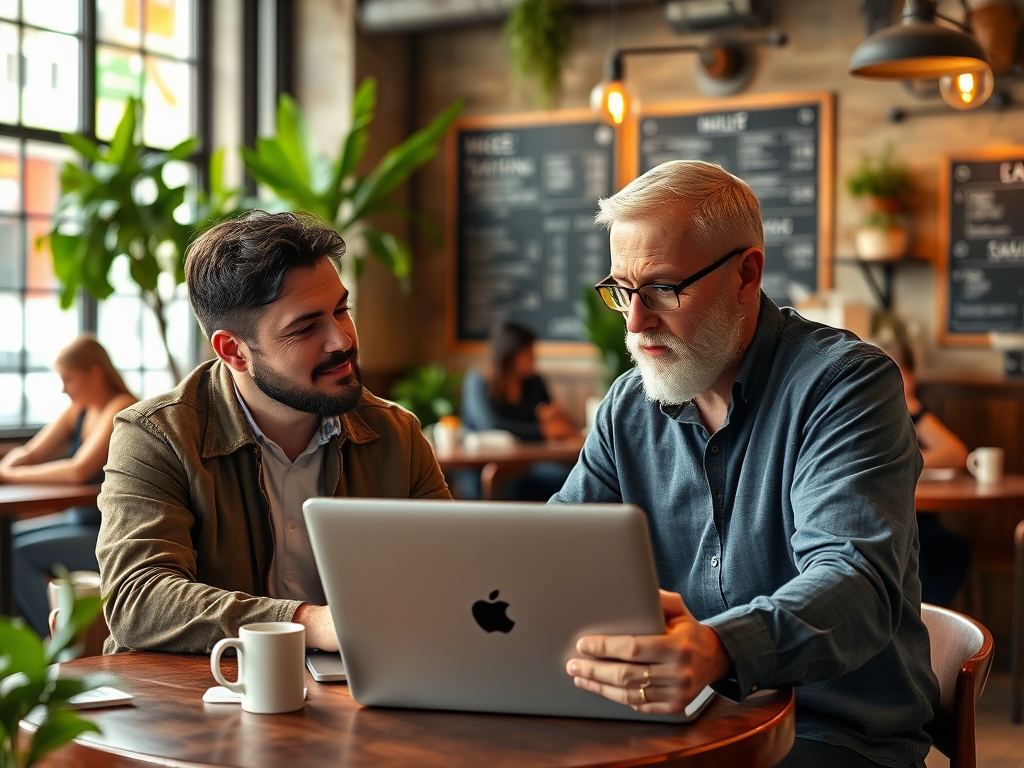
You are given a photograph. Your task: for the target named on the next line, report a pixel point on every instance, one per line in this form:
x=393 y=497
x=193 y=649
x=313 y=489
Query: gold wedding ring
x=647 y=678
x=643 y=694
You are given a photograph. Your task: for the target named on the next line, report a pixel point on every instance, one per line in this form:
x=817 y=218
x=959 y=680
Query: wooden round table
x=170 y=725
x=965 y=495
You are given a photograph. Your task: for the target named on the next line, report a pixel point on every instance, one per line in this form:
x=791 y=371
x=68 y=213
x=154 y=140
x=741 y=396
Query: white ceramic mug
x=986 y=464
x=271 y=664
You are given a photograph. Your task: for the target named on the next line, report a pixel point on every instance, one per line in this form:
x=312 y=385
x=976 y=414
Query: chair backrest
x=961 y=660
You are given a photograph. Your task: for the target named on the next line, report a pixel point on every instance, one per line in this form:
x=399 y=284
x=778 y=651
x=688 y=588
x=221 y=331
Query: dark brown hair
x=507 y=340
x=237 y=267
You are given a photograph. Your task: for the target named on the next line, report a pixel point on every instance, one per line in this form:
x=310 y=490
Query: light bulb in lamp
x=610 y=102
x=967 y=90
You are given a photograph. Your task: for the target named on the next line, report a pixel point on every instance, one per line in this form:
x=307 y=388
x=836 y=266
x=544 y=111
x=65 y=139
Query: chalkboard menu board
x=981 y=273
x=522 y=196
x=783 y=146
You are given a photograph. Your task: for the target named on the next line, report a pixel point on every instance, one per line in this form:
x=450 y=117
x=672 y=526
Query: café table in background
x=21 y=501
x=962 y=494
x=495 y=463
x=168 y=724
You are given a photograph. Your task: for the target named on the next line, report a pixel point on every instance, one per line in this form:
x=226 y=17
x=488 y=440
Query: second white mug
x=271 y=666
x=986 y=464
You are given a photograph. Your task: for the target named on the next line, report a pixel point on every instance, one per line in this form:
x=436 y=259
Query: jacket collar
x=228 y=429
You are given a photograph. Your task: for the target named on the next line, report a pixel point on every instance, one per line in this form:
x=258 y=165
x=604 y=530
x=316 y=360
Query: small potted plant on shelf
x=883 y=185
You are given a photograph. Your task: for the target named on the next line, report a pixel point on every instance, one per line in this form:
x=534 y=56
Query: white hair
x=722 y=208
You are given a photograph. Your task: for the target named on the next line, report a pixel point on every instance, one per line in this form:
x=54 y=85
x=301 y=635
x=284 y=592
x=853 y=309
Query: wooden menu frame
x=993 y=155
x=826 y=159
x=452 y=176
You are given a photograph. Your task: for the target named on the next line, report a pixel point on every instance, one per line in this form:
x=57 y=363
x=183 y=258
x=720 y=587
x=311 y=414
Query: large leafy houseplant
x=300 y=179
x=115 y=203
x=28 y=682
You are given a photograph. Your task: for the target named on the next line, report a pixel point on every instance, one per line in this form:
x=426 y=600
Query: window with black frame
x=70 y=66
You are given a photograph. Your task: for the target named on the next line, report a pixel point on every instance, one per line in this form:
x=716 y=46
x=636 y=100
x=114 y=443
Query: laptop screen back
x=478 y=606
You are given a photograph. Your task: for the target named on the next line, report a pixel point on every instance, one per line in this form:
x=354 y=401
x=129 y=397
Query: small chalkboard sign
x=783 y=146
x=981 y=254
x=522 y=195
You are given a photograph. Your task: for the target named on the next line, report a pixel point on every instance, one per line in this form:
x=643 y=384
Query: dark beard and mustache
x=277 y=387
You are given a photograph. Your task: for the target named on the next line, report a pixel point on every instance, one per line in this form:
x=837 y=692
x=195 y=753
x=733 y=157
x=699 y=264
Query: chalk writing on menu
x=986 y=246
x=776 y=151
x=527 y=242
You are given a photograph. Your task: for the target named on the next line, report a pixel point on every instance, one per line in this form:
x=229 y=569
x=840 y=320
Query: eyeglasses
x=660 y=297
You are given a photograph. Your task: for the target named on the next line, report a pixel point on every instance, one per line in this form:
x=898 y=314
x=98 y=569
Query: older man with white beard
x=776 y=461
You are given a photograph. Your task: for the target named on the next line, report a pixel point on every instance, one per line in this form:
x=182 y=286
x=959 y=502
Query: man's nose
x=639 y=317
x=341 y=338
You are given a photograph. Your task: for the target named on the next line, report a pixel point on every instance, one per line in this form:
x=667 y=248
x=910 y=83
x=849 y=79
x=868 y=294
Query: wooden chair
x=961 y=660
x=1017 y=636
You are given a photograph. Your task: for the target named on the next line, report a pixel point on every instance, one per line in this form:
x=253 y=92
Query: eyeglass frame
x=676 y=288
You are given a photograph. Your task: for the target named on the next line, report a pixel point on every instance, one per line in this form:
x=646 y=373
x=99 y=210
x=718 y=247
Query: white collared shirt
x=293 y=571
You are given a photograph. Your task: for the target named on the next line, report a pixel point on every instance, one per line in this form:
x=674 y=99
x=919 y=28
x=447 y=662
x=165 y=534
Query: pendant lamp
x=919 y=48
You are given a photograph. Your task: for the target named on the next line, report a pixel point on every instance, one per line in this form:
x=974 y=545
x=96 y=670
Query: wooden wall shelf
x=881 y=288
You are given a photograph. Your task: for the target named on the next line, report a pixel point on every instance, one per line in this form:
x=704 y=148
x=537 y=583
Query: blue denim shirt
x=791 y=530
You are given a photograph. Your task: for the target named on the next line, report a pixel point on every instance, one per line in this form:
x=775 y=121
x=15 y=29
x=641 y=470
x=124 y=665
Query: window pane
x=61 y=15
x=118 y=329
x=42 y=175
x=118 y=77
x=155 y=383
x=168 y=102
x=50 y=98
x=44 y=397
x=10 y=399
x=10 y=257
x=169 y=27
x=10 y=339
x=9 y=77
x=47 y=329
x=39 y=272
x=9 y=9
x=10 y=175
x=117 y=21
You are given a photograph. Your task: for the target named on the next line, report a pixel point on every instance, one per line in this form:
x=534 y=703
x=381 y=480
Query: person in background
x=945 y=555
x=511 y=396
x=202 y=527
x=72 y=449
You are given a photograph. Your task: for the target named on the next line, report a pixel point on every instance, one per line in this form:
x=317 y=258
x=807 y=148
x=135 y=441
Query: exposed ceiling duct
x=392 y=16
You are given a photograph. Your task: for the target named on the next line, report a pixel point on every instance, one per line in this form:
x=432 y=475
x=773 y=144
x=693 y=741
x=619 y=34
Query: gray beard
x=690 y=368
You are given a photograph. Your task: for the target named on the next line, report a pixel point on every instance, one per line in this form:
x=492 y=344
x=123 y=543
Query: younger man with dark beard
x=202 y=526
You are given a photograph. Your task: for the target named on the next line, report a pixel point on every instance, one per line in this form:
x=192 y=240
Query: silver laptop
x=478 y=606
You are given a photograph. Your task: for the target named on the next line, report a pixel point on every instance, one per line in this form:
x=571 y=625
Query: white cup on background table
x=986 y=464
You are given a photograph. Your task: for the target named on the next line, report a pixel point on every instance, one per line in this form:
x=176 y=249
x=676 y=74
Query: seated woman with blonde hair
x=72 y=449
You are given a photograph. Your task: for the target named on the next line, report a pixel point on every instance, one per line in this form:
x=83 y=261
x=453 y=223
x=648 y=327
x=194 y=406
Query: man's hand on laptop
x=653 y=673
x=319 y=626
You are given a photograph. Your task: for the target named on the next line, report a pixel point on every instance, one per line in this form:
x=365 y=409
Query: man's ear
x=231 y=349
x=751 y=271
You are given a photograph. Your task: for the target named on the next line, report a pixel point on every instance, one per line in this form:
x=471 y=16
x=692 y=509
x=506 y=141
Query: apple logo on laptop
x=491 y=615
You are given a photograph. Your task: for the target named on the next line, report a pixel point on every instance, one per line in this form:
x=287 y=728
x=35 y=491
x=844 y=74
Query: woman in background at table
x=511 y=396
x=70 y=450
x=945 y=555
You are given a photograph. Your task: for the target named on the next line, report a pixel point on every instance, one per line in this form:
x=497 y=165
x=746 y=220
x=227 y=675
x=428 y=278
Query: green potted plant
x=301 y=180
x=606 y=329
x=539 y=34
x=116 y=204
x=28 y=683
x=430 y=391
x=882 y=184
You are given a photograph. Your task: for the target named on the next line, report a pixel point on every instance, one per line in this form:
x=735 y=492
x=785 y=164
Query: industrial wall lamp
x=724 y=67
x=919 y=48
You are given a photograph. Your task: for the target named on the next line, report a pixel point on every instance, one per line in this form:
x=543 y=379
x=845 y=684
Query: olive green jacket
x=186 y=540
